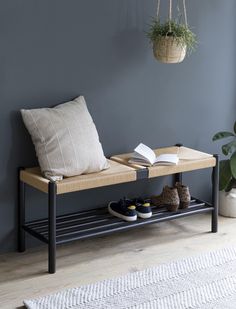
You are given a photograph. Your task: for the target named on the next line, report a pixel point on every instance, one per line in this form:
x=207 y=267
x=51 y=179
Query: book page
x=145 y=152
x=139 y=162
x=138 y=156
x=168 y=158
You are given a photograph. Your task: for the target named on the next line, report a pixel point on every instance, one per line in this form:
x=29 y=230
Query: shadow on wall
x=124 y=49
x=21 y=154
x=130 y=42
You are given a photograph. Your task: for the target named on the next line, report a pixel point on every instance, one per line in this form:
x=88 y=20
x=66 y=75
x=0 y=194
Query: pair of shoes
x=130 y=210
x=173 y=197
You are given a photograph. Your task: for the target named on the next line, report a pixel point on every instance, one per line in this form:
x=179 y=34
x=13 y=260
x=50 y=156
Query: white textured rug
x=206 y=281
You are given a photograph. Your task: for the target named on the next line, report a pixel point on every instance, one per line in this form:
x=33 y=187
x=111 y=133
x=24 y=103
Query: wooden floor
x=24 y=275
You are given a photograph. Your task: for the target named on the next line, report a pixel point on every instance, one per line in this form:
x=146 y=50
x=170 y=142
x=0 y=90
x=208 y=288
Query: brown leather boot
x=169 y=198
x=184 y=195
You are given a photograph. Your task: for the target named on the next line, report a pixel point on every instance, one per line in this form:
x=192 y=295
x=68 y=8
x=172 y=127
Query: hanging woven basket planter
x=171 y=40
x=168 y=50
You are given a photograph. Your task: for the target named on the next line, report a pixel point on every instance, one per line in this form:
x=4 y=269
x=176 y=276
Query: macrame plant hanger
x=167 y=49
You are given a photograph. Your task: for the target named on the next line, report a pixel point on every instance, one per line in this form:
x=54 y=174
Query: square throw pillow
x=65 y=139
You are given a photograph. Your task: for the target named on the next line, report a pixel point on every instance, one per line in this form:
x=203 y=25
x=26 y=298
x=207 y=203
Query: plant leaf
x=233 y=164
x=230 y=185
x=221 y=135
x=235 y=127
x=182 y=33
x=225 y=174
x=229 y=148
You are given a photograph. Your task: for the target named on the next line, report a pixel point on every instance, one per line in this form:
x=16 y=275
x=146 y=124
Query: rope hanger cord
x=185 y=13
x=158 y=9
x=170 y=12
x=170 y=15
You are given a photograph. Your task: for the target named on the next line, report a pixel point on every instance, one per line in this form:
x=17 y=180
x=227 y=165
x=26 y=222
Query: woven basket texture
x=168 y=50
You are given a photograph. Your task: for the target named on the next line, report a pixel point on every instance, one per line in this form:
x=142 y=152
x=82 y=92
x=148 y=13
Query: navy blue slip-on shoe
x=124 y=209
x=143 y=208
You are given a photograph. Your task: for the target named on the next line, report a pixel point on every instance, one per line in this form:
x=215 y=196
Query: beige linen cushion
x=65 y=139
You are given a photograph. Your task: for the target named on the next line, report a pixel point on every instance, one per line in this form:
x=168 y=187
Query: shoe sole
x=118 y=215
x=144 y=216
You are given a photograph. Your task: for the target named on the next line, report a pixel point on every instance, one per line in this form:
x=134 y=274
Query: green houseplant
x=171 y=40
x=227 y=166
x=228 y=173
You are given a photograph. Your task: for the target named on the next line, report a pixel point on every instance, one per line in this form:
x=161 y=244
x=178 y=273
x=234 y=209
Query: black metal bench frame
x=57 y=230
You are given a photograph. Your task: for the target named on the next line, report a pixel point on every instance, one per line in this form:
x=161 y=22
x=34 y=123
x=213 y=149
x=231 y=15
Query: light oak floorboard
x=24 y=275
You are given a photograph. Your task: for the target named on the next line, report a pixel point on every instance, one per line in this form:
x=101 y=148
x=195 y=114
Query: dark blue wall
x=51 y=51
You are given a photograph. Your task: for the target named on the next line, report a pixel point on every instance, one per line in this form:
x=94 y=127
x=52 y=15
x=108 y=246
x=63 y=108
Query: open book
x=143 y=155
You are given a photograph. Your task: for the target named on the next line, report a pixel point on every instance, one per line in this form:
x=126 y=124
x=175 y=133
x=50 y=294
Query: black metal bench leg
x=178 y=178
x=52 y=227
x=21 y=213
x=215 y=196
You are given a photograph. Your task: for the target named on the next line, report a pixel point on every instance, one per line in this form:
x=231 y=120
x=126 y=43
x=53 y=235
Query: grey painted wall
x=51 y=51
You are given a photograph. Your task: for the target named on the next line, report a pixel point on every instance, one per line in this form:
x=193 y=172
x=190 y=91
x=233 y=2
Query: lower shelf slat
x=99 y=222
x=104 y=230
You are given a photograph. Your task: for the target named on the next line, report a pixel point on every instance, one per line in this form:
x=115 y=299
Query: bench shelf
x=98 y=222
x=56 y=230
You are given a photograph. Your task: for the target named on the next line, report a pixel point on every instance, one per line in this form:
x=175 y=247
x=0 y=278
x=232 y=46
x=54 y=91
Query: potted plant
x=171 y=40
x=227 y=202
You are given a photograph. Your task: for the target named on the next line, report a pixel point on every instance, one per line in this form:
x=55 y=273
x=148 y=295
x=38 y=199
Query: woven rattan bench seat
x=117 y=173
x=120 y=171
x=199 y=160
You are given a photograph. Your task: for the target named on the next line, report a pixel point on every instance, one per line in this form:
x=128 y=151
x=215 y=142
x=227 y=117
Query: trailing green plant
x=182 y=33
x=227 y=166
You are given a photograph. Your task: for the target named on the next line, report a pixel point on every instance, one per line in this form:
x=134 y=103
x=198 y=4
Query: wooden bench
x=55 y=229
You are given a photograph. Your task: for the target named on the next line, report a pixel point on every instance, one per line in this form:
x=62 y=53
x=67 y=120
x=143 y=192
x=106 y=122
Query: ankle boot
x=169 y=198
x=184 y=195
